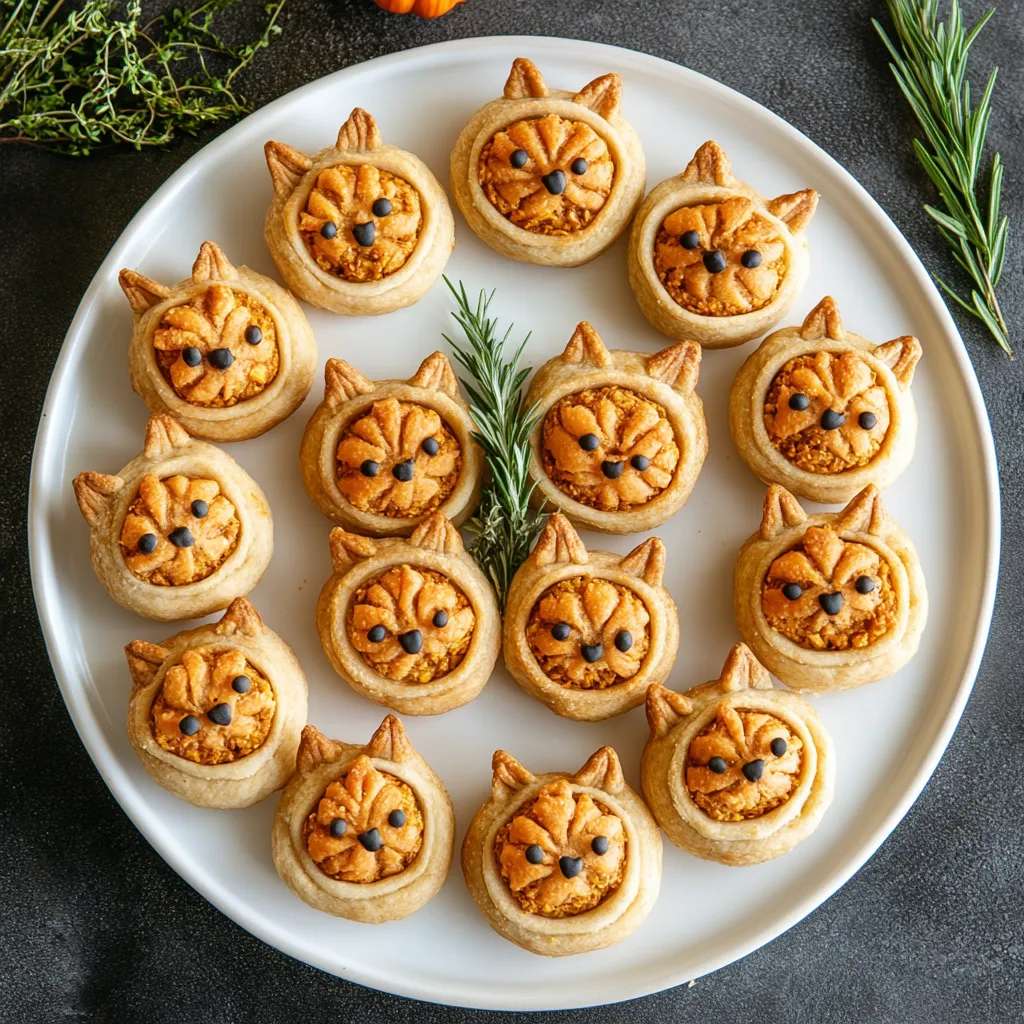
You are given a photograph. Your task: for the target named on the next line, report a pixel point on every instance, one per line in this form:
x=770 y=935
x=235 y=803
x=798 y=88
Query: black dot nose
x=714 y=261
x=831 y=604
x=612 y=470
x=181 y=537
x=571 y=866
x=832 y=420
x=554 y=182
x=412 y=642
x=753 y=770
x=371 y=840
x=221 y=358
x=364 y=234
x=592 y=652
x=403 y=472
x=220 y=714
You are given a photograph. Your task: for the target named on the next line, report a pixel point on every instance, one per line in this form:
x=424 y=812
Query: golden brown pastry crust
x=109 y=505
x=725 y=308
x=836 y=370
x=265 y=383
x=380 y=885
x=339 y=273
x=233 y=775
x=636 y=405
x=838 y=636
x=575 y=691
x=751 y=820
x=510 y=208
x=409 y=681
x=575 y=899
x=384 y=421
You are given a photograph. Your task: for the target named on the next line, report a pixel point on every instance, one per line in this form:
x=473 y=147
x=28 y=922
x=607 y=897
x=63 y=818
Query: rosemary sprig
x=505 y=526
x=930 y=65
x=94 y=75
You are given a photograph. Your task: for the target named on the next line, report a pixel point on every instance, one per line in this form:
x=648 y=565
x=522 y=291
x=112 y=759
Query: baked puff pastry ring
x=216 y=712
x=181 y=531
x=830 y=601
x=364 y=832
x=823 y=411
x=734 y=770
x=381 y=456
x=227 y=352
x=546 y=176
x=562 y=864
x=586 y=632
x=711 y=259
x=621 y=436
x=360 y=228
x=412 y=624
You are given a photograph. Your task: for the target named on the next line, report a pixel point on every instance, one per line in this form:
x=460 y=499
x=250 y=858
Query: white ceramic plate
x=889 y=736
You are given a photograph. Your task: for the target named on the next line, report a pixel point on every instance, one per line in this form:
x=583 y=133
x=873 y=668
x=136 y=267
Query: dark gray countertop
x=97 y=927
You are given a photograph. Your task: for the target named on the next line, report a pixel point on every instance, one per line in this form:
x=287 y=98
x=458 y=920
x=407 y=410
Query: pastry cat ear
x=240 y=617
x=163 y=434
x=603 y=770
x=603 y=95
x=507 y=775
x=436 y=373
x=864 y=514
x=349 y=548
x=678 y=366
x=141 y=292
x=212 y=265
x=436 y=533
x=646 y=561
x=901 y=355
x=795 y=209
x=525 y=81
x=823 y=322
x=143 y=661
x=286 y=165
x=359 y=133
x=709 y=166
x=665 y=708
x=316 y=749
x=586 y=346
x=558 y=543
x=390 y=742
x=93 y=491
x=343 y=381
x=742 y=671
x=781 y=509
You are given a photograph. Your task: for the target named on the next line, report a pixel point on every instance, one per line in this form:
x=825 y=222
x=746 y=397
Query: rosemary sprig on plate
x=76 y=78
x=505 y=525
x=930 y=65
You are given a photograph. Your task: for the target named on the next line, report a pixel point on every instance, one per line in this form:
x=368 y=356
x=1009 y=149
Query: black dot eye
x=750 y=259
x=221 y=358
x=364 y=234
x=191 y=356
x=534 y=854
x=791 y=591
x=592 y=653
x=779 y=746
x=147 y=543
x=253 y=334
x=589 y=442
x=611 y=469
x=403 y=472
x=689 y=239
x=518 y=158
x=831 y=604
x=623 y=640
x=189 y=725
x=396 y=819
x=440 y=619
x=864 y=584
x=241 y=684
x=717 y=765
x=377 y=634
x=867 y=420
x=578 y=166
x=430 y=446
x=799 y=402
x=339 y=826
x=599 y=844
x=640 y=462
x=181 y=537
x=381 y=207
x=714 y=261
x=561 y=631
x=369 y=468
x=199 y=508
x=753 y=770
x=832 y=420
x=329 y=230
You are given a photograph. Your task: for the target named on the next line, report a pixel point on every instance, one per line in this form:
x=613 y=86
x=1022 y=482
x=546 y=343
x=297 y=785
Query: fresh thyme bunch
x=92 y=75
x=930 y=65
x=505 y=526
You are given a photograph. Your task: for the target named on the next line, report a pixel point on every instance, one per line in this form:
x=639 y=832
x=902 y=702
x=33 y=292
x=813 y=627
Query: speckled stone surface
x=96 y=927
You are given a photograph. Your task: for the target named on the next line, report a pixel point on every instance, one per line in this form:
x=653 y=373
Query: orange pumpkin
x=423 y=8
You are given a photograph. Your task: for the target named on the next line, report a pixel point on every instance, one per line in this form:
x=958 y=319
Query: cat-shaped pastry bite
x=586 y=632
x=360 y=228
x=832 y=600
